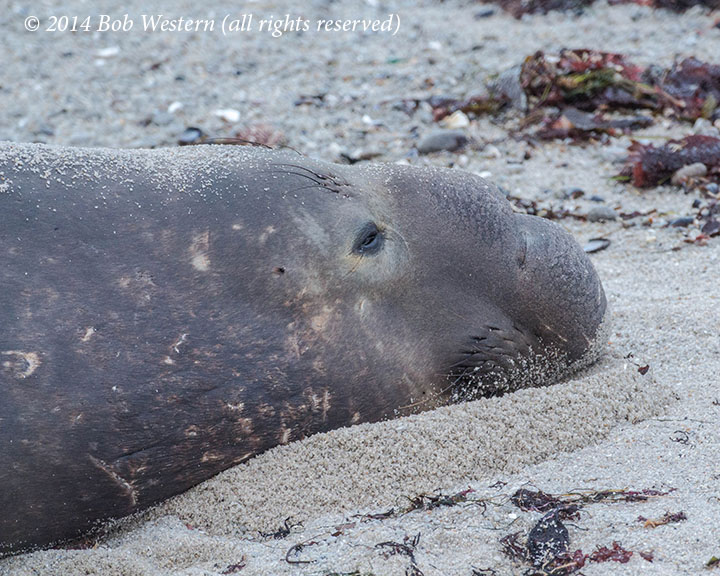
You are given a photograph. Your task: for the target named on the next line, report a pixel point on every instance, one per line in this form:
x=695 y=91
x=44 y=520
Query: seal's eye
x=369 y=241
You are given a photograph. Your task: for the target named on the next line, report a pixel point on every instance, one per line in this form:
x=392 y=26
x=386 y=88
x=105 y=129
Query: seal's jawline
x=546 y=365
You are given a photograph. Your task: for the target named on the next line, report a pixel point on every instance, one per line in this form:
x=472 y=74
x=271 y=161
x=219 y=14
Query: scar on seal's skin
x=25 y=364
x=119 y=480
x=199 y=251
x=88 y=334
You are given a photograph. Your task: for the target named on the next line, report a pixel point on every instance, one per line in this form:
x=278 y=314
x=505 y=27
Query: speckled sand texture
x=610 y=427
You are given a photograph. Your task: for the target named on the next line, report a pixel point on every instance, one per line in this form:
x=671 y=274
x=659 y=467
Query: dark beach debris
x=586 y=79
x=519 y=7
x=483 y=572
x=691 y=87
x=513 y=548
x=578 y=125
x=544 y=210
x=680 y=437
x=311 y=100
x=681 y=222
x=579 y=498
x=235 y=568
x=548 y=539
x=567 y=94
x=667 y=518
x=565 y=562
x=714 y=562
x=534 y=500
x=617 y=554
x=190 y=136
x=380 y=516
x=644 y=369
x=406 y=548
x=648 y=556
x=427 y=502
x=709 y=215
x=282 y=532
x=291 y=556
x=648 y=165
x=430 y=501
x=340 y=529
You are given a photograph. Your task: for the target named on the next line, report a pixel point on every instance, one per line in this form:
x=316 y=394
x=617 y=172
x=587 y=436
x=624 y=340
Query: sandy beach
x=644 y=418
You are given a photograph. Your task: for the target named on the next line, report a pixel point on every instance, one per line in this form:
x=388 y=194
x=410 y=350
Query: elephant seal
x=167 y=314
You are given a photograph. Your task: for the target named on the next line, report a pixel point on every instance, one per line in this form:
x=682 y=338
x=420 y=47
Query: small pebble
x=457 y=119
x=682 y=222
x=696 y=170
x=601 y=214
x=595 y=198
x=595 y=245
x=442 y=140
x=229 y=115
x=108 y=52
x=191 y=135
x=484 y=13
x=573 y=193
x=174 y=107
x=491 y=151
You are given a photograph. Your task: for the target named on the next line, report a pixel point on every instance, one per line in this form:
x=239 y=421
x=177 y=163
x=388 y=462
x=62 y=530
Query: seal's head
x=427 y=278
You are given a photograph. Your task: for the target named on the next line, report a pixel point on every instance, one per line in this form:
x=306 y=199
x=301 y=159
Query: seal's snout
x=567 y=299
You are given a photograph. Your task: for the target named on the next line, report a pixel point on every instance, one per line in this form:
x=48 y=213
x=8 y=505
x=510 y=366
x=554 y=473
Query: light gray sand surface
x=610 y=428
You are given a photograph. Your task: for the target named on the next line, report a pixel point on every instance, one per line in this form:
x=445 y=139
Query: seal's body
x=167 y=314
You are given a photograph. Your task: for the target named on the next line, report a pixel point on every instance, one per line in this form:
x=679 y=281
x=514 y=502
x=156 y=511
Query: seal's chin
x=497 y=361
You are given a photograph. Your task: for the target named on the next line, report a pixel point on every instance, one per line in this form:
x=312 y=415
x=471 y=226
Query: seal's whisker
x=308 y=170
x=299 y=174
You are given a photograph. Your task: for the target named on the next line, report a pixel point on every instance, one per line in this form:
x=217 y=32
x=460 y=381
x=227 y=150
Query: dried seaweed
x=534 y=500
x=667 y=518
x=586 y=79
x=648 y=165
x=568 y=92
x=616 y=554
x=283 y=531
x=430 y=501
x=579 y=125
x=519 y=7
x=405 y=548
x=235 y=568
x=674 y=5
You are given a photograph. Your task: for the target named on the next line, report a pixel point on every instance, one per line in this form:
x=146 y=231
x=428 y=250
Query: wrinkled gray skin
x=167 y=314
